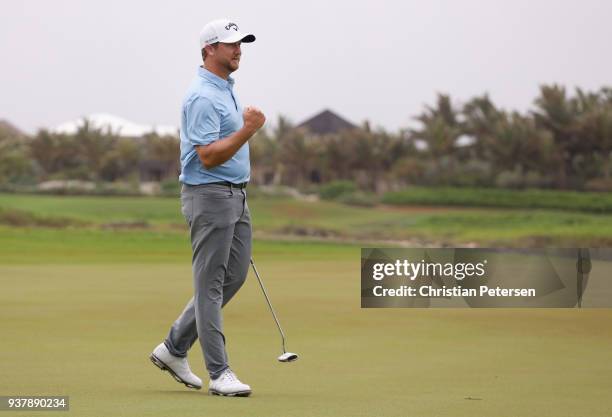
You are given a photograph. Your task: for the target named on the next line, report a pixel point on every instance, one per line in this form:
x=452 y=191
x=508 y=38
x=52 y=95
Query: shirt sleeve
x=203 y=122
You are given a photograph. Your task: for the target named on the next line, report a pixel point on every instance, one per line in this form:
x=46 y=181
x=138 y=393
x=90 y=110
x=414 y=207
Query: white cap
x=223 y=30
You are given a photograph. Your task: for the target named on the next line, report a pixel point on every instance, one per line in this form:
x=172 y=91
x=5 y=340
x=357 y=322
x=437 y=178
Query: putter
x=583 y=267
x=286 y=356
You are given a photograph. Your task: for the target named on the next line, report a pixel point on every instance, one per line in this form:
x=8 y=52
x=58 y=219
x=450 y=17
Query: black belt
x=230 y=184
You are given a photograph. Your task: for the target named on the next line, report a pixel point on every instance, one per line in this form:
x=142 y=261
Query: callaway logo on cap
x=223 y=30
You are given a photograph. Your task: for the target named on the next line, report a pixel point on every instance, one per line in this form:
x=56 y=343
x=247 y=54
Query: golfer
x=215 y=170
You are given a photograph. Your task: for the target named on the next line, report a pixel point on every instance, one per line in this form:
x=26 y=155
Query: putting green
x=85 y=327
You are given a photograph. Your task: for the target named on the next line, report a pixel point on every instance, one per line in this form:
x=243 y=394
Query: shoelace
x=231 y=376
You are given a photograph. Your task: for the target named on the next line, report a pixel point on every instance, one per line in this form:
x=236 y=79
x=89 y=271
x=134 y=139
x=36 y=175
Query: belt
x=230 y=184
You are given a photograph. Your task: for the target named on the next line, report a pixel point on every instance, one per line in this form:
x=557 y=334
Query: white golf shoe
x=229 y=385
x=177 y=367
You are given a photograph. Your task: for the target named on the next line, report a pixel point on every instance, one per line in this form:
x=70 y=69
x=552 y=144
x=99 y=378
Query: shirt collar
x=215 y=79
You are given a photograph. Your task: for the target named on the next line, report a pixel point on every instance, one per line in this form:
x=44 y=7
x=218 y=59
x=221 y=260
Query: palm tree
x=57 y=154
x=15 y=165
x=522 y=144
x=121 y=161
x=160 y=159
x=559 y=114
x=440 y=129
x=595 y=125
x=92 y=145
x=481 y=118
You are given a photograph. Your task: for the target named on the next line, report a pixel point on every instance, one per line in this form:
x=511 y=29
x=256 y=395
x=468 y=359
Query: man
x=215 y=170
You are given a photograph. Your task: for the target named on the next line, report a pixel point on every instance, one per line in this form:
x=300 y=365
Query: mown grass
x=77 y=246
x=324 y=219
x=82 y=306
x=483 y=197
x=81 y=309
x=156 y=210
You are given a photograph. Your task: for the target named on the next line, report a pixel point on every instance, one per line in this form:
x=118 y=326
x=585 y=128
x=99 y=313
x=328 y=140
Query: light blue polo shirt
x=211 y=112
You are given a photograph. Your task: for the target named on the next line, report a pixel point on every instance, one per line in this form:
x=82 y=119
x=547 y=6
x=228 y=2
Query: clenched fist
x=253 y=118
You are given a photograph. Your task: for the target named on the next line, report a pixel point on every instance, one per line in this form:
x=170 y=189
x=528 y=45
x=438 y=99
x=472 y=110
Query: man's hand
x=218 y=152
x=254 y=119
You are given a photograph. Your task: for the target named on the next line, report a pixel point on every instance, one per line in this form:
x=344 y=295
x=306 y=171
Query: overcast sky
x=377 y=60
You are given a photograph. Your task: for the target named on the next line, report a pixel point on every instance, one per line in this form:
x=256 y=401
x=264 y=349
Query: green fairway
x=276 y=216
x=83 y=305
x=82 y=309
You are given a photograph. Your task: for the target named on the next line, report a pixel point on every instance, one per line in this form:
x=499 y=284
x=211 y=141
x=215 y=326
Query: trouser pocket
x=187 y=208
x=215 y=211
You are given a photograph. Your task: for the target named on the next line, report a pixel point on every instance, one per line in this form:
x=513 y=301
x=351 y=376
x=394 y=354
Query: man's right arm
x=221 y=150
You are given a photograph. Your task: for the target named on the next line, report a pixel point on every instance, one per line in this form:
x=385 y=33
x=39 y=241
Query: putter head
x=288 y=357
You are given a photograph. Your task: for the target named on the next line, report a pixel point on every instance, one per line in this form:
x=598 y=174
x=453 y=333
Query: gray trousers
x=220 y=227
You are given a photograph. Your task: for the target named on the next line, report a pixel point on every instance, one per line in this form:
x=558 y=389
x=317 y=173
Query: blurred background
x=388 y=108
